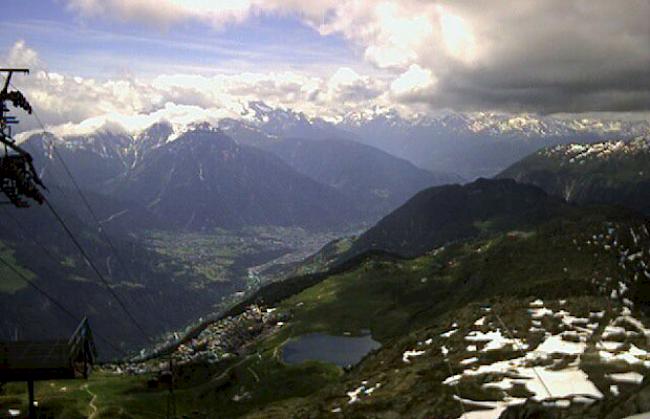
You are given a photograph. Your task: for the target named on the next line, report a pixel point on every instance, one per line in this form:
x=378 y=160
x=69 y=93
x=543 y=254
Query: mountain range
x=450 y=259
x=470 y=145
x=480 y=144
x=204 y=180
x=200 y=178
x=486 y=298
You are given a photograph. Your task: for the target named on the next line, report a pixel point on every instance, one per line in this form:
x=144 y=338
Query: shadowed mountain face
x=603 y=173
x=442 y=214
x=200 y=179
x=376 y=180
x=204 y=180
x=159 y=290
x=92 y=159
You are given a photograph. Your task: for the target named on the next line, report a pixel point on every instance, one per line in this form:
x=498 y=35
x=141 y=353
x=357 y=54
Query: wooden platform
x=48 y=360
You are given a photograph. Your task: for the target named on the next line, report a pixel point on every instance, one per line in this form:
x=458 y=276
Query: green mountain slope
x=581 y=265
x=442 y=214
x=408 y=303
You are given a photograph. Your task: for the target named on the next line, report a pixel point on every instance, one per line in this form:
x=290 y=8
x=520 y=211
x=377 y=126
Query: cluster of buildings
x=219 y=340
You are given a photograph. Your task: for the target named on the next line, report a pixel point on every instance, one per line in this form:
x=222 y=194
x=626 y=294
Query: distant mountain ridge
x=611 y=172
x=199 y=179
x=480 y=144
x=205 y=180
x=476 y=144
x=472 y=144
x=376 y=179
x=341 y=181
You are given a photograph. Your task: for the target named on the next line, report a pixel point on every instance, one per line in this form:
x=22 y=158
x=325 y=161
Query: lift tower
x=18 y=179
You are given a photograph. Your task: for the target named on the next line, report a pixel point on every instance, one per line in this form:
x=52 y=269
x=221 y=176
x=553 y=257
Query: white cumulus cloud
x=83 y=104
x=415 y=80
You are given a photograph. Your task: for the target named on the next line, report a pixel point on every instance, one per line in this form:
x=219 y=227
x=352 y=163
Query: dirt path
x=93 y=408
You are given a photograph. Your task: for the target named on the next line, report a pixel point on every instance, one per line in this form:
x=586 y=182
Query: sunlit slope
x=491 y=290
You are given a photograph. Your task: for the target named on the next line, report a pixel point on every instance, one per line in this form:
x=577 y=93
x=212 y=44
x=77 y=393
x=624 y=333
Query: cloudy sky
x=135 y=59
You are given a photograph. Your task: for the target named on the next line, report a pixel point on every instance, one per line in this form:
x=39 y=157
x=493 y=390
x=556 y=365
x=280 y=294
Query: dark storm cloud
x=547 y=56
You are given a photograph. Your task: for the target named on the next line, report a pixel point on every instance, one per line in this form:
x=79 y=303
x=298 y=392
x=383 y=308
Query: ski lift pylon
x=18 y=179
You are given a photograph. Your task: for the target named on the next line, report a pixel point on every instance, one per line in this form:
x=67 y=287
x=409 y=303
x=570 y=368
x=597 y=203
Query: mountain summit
x=203 y=179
